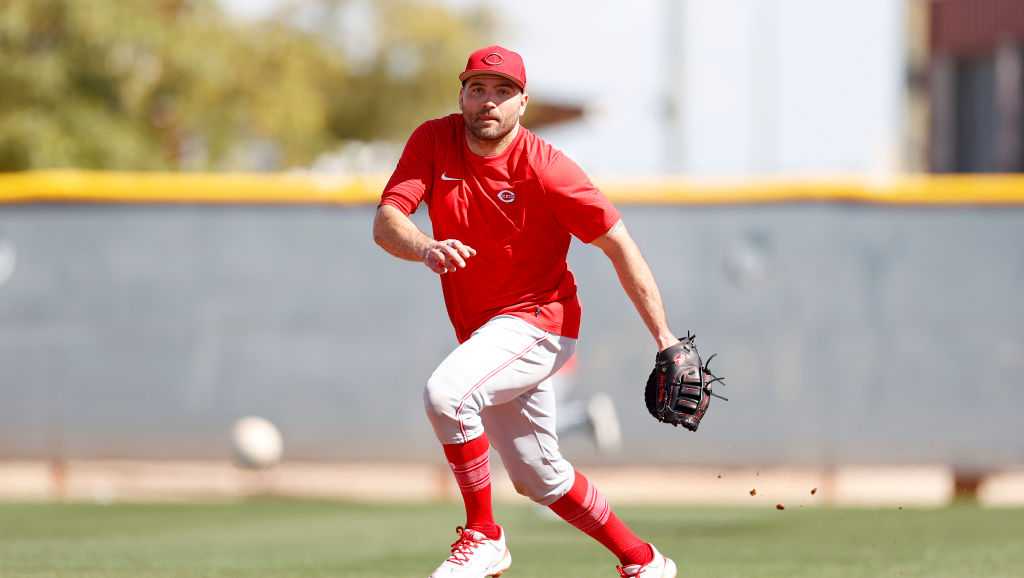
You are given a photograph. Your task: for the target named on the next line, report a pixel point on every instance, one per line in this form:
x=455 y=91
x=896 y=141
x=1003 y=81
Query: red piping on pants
x=458 y=411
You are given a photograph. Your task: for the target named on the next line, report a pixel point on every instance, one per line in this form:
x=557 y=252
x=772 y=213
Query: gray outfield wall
x=848 y=333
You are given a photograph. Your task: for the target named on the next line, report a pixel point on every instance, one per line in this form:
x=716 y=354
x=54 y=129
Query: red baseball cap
x=496 y=60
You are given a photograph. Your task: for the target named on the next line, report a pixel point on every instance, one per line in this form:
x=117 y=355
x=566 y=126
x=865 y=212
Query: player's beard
x=489 y=131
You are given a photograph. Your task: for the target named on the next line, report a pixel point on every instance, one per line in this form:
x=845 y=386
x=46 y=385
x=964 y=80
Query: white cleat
x=605 y=423
x=660 y=567
x=475 y=556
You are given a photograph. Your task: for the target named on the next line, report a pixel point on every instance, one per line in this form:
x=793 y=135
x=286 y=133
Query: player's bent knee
x=543 y=482
x=439 y=398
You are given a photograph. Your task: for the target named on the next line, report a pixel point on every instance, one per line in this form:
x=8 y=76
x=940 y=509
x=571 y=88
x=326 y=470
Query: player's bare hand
x=447 y=256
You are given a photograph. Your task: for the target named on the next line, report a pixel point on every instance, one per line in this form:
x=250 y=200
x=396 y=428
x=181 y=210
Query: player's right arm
x=395 y=232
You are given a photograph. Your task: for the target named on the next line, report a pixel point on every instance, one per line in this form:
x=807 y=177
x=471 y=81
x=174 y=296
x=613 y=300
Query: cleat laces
x=463 y=548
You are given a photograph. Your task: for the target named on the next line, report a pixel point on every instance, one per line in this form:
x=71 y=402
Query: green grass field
x=310 y=539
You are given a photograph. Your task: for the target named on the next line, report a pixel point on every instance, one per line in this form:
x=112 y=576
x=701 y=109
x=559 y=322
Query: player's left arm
x=638 y=281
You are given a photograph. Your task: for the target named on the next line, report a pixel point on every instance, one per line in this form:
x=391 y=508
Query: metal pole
x=1008 y=108
x=674 y=85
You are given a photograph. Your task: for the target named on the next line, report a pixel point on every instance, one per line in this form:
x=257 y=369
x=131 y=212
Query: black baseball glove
x=679 y=389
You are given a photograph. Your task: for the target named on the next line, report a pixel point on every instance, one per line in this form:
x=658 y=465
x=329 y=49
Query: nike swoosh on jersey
x=445 y=177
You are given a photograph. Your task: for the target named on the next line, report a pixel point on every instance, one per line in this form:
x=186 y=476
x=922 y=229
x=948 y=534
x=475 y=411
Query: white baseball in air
x=256 y=442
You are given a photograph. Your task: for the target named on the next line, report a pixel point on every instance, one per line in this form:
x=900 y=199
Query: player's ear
x=522 y=104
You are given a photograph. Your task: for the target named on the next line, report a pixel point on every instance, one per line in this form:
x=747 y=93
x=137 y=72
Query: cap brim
x=471 y=73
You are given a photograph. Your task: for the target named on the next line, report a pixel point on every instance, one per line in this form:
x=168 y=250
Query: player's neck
x=490 y=148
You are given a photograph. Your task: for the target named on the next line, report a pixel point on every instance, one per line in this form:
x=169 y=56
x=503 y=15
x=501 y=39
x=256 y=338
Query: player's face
x=491 y=106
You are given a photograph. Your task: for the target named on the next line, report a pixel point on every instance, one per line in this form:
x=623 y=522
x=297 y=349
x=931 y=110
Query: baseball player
x=503 y=205
x=595 y=415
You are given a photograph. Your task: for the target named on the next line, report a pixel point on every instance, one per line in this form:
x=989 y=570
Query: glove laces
x=714 y=378
x=692 y=338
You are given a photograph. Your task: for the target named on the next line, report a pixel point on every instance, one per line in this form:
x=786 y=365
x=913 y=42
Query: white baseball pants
x=499 y=380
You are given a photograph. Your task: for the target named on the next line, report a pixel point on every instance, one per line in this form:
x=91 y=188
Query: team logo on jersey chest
x=506 y=196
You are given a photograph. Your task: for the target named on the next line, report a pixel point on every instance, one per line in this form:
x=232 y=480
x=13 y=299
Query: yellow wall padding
x=200 y=188
x=903 y=190
x=300 y=188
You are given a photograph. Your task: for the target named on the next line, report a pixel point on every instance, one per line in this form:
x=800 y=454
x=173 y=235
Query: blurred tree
x=171 y=84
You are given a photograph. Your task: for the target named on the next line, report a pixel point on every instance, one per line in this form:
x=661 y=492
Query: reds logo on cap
x=496 y=60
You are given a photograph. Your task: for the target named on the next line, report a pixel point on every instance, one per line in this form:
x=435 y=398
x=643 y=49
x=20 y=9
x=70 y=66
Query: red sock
x=471 y=466
x=586 y=508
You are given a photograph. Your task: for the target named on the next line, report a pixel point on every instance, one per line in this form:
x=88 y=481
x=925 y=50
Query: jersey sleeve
x=413 y=175
x=577 y=204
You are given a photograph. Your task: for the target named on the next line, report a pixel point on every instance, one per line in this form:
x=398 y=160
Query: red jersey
x=517 y=209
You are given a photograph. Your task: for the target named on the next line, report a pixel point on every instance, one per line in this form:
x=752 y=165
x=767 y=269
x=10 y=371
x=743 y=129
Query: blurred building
x=976 y=85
